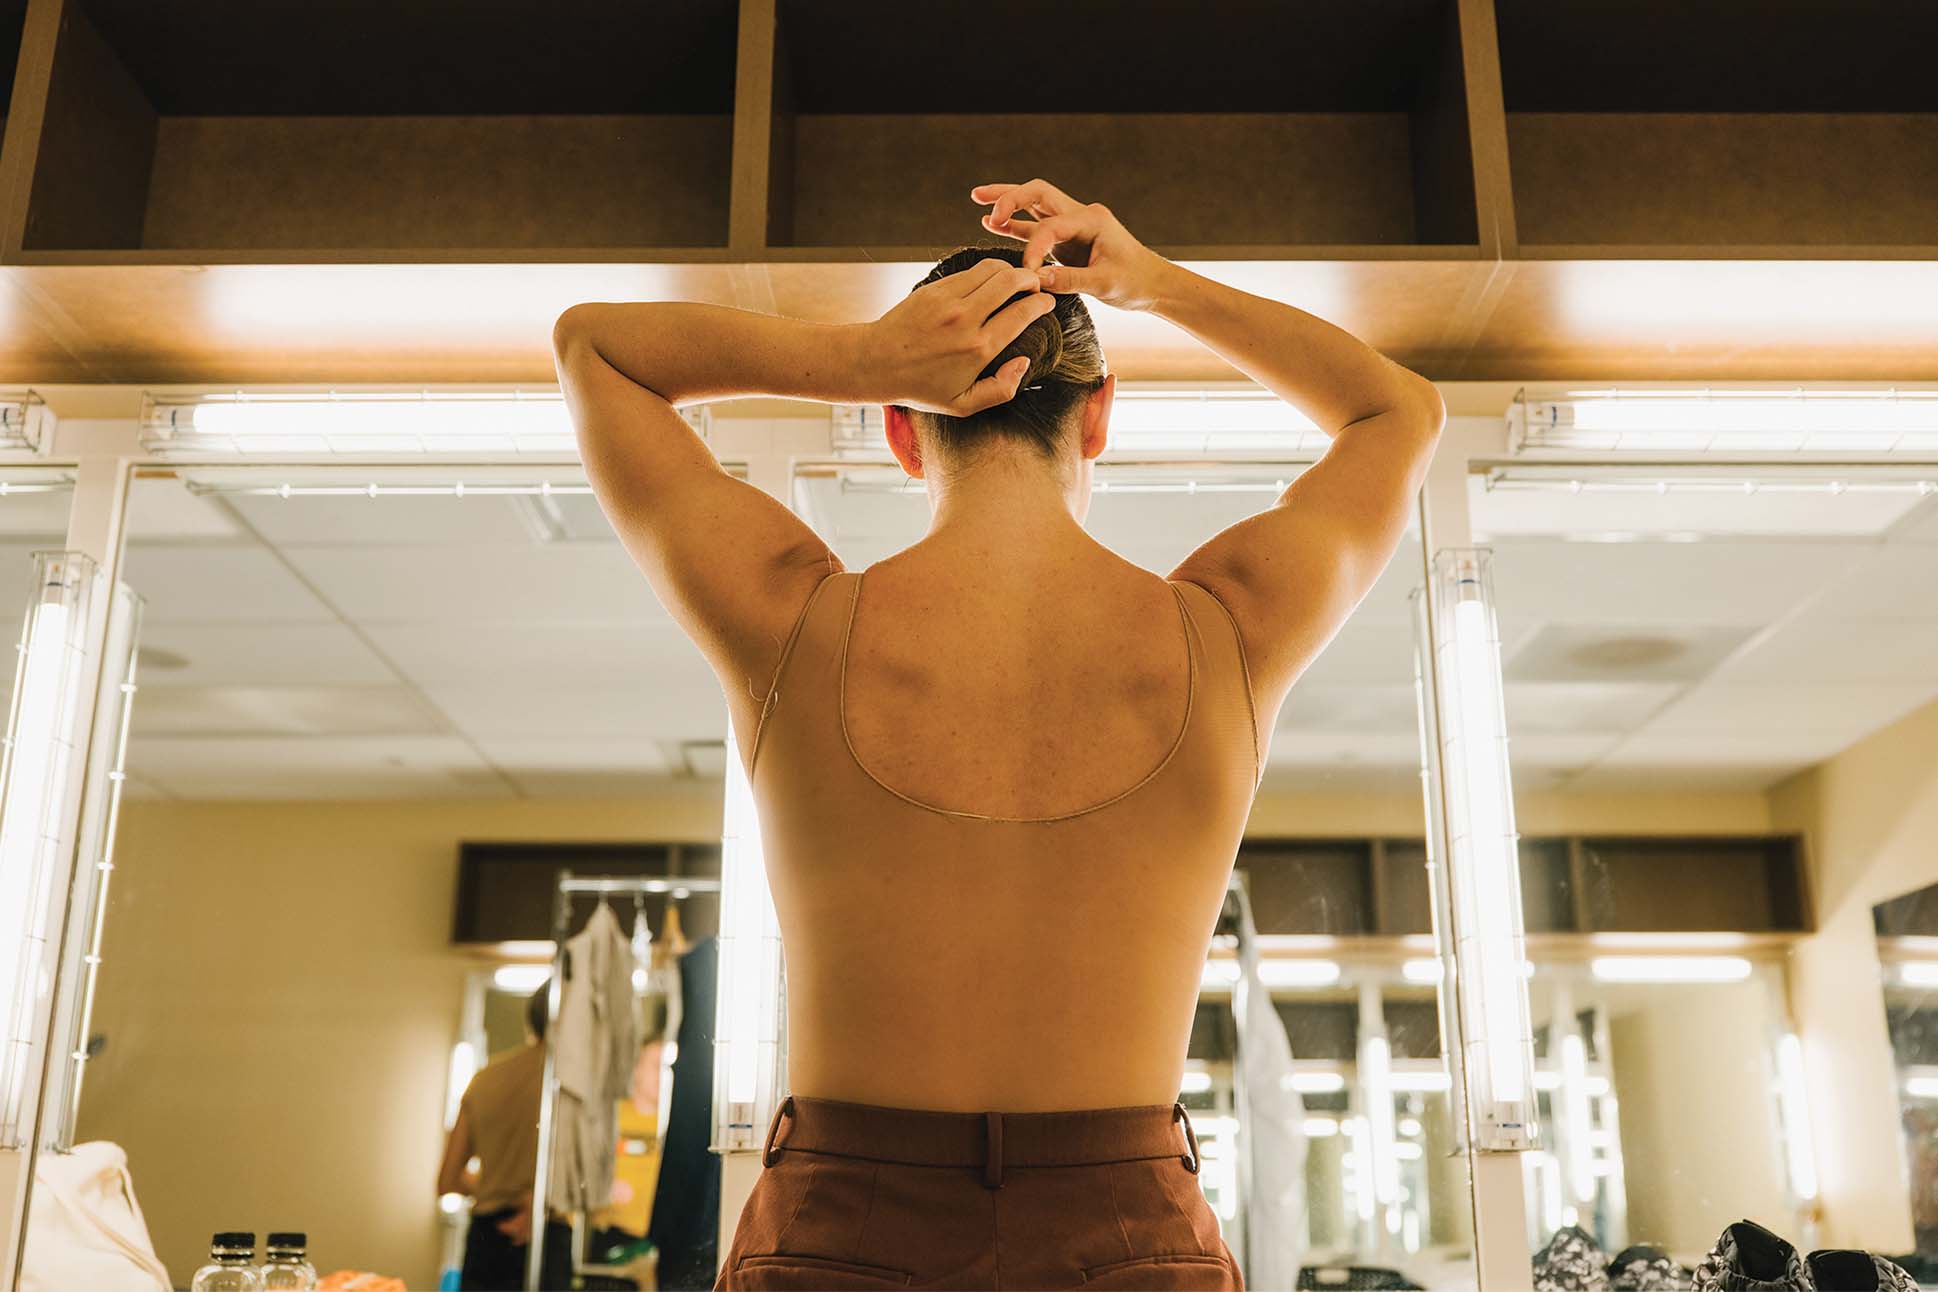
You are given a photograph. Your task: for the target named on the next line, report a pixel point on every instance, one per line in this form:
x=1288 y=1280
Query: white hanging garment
x=1271 y=1126
x=84 y=1227
x=595 y=1044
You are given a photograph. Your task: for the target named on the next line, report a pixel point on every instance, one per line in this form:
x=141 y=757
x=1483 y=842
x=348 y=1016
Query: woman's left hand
x=929 y=351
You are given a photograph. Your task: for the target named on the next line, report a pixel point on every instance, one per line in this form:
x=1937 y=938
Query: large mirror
x=1722 y=705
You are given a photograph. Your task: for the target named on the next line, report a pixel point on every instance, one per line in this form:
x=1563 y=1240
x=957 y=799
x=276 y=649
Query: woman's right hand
x=1095 y=253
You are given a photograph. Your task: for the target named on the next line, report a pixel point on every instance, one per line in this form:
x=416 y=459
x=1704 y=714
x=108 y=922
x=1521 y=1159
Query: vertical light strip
x=1376 y=1088
x=1577 y=1152
x=42 y=735
x=1483 y=873
x=1794 y=1100
x=1440 y=971
x=748 y=1067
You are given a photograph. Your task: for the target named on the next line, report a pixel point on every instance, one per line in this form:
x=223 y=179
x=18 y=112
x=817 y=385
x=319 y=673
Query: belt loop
x=1192 y=1160
x=770 y=1152
x=992 y=1161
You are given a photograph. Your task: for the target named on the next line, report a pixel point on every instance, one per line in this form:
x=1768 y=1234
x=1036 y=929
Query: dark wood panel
x=1227 y=178
x=356 y=183
x=1719 y=55
x=96 y=145
x=1796 y=178
x=944 y=56
x=402 y=57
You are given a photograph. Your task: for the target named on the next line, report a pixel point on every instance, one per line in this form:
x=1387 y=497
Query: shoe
x=1644 y=1269
x=1749 y=1258
x=1571 y=1262
x=1846 y=1271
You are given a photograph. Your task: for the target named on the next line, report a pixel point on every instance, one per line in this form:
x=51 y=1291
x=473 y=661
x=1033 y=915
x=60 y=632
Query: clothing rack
x=677 y=887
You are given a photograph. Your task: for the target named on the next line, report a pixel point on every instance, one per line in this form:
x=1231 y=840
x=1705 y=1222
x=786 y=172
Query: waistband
x=919 y=1137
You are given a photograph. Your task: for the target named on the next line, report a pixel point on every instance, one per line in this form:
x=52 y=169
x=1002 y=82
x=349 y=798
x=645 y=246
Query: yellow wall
x=280 y=994
x=1871 y=816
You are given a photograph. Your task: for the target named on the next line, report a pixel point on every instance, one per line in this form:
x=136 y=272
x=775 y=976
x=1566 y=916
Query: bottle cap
x=287 y=1240
x=234 y=1238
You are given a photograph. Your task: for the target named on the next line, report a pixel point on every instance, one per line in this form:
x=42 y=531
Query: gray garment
x=595 y=1044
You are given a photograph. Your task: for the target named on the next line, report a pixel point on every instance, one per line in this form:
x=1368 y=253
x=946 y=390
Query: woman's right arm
x=1292 y=574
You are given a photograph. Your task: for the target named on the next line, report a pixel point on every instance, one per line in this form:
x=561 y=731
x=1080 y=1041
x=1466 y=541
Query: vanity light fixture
x=1375 y=1084
x=748 y=1068
x=1794 y=1103
x=1483 y=875
x=39 y=780
x=1670 y=969
x=523 y=420
x=520 y=978
x=1918 y=973
x=1722 y=421
x=26 y=425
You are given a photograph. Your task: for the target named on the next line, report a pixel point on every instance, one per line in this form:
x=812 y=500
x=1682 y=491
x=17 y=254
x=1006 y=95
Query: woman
x=1001 y=788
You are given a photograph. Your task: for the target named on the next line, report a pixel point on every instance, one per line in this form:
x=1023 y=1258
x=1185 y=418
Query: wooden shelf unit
x=217 y=131
x=1635 y=125
x=1246 y=125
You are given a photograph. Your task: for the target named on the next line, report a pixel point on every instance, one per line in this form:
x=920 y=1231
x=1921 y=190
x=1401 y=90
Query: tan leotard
x=940 y=958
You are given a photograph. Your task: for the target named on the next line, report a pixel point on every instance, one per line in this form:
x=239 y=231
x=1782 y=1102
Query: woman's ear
x=902 y=440
x=1096 y=416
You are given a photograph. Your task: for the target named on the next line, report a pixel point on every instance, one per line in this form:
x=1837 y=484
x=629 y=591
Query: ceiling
x=505 y=647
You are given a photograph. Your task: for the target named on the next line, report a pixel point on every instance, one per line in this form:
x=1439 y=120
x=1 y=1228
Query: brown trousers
x=855 y=1196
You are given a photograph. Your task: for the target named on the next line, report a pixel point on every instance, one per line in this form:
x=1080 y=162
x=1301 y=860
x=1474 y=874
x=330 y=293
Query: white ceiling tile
x=1660 y=583
x=1582 y=706
x=392 y=767
x=388 y=519
x=257 y=655
x=215 y=583
x=1898 y=582
x=1622 y=652
x=161 y=510
x=565 y=581
x=1558 y=749
x=567 y=712
x=1814 y=647
x=1846 y=710
x=162 y=711
x=1921 y=526
x=1339 y=709
x=1323 y=747
x=577 y=767
x=520 y=652
x=39 y=514
x=1341 y=778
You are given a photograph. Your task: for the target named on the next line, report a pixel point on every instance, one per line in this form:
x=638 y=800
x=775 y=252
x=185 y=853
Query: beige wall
x=280 y=994
x=1871 y=815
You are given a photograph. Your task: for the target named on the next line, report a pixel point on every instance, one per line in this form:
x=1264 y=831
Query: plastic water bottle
x=231 y=1267
x=286 y=1266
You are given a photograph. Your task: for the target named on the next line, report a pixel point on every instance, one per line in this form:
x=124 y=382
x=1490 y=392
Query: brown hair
x=1066 y=365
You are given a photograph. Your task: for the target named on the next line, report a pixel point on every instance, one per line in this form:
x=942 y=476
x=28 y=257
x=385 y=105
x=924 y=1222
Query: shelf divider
x=763 y=145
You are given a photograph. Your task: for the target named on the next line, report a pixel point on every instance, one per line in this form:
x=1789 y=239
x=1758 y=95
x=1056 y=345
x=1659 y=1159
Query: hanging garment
x=1571 y=1262
x=1749 y=1258
x=595 y=1043
x=1644 y=1269
x=686 y=1201
x=1272 y=1121
x=85 y=1229
x=1835 y=1270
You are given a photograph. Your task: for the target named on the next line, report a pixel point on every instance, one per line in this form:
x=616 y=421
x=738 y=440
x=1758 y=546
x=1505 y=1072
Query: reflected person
x=497 y=1124
x=1002 y=785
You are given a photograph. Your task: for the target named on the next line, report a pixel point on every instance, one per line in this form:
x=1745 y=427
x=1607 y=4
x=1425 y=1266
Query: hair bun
x=1042 y=341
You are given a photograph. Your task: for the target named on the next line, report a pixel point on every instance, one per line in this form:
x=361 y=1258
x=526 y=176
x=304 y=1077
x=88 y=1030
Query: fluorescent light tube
x=1423 y=1082
x=1483 y=871
x=1667 y=969
x=1318 y=1083
x=520 y=978
x=1921 y=1087
x=1919 y=973
x=38 y=788
x=1421 y=971
x=749 y=1067
x=533 y=420
x=464 y=1065
x=1725 y=421
x=1794 y=1100
x=1574 y=1097
x=1320 y=1127
x=1375 y=1073
x=1298 y=973
x=1195 y=1083
x=1231 y=420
